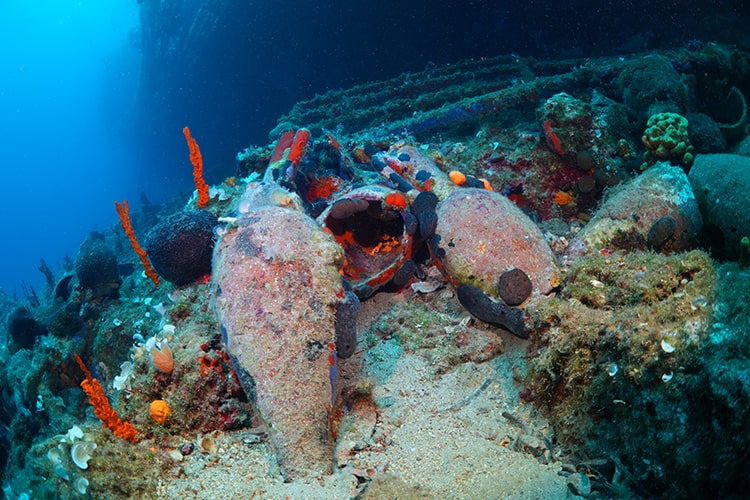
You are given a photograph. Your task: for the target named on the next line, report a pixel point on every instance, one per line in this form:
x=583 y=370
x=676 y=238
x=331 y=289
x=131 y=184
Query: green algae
x=615 y=360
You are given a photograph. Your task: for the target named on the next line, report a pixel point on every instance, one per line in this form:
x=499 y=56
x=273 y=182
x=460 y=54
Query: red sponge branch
x=197 y=160
x=123 y=211
x=103 y=409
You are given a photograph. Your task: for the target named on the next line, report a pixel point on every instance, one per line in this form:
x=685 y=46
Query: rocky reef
x=490 y=274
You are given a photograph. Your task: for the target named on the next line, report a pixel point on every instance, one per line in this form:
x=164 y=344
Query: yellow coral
x=666 y=139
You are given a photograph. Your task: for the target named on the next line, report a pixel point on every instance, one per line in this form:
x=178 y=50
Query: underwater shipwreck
x=417 y=282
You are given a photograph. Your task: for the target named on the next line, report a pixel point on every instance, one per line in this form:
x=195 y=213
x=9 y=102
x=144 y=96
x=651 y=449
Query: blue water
x=67 y=79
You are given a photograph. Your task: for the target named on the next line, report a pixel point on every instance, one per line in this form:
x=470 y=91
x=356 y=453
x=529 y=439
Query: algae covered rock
x=637 y=215
x=651 y=79
x=96 y=267
x=705 y=134
x=566 y=124
x=616 y=359
x=23 y=329
x=721 y=183
x=278 y=288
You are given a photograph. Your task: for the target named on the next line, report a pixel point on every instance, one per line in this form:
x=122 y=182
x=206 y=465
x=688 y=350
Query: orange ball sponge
x=160 y=410
x=457 y=177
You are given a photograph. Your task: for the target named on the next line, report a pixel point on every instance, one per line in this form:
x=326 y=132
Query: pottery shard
x=277 y=290
x=483 y=234
x=624 y=220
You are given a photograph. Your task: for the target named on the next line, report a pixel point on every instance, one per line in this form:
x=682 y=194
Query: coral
x=180 y=246
x=123 y=211
x=666 y=139
x=80 y=453
x=197 y=160
x=103 y=409
x=81 y=485
x=610 y=352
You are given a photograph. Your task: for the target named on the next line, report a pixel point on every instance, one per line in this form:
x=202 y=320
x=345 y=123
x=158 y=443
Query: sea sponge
x=514 y=287
x=160 y=410
x=23 y=329
x=96 y=267
x=161 y=355
x=666 y=139
x=180 y=246
x=495 y=313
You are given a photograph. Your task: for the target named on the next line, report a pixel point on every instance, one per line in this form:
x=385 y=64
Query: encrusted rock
x=96 y=267
x=277 y=291
x=625 y=218
x=482 y=234
x=23 y=329
x=646 y=80
x=721 y=183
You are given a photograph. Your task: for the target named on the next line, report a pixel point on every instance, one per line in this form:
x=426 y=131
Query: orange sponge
x=197 y=160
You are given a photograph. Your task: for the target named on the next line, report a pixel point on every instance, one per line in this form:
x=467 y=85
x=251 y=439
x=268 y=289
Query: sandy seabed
x=460 y=434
